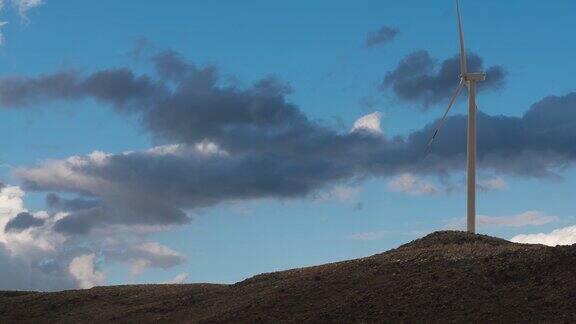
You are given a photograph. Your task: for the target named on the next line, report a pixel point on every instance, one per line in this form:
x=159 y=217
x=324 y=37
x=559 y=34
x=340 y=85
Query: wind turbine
x=469 y=79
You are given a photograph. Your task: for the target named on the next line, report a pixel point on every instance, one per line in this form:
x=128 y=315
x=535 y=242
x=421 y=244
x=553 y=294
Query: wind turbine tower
x=471 y=80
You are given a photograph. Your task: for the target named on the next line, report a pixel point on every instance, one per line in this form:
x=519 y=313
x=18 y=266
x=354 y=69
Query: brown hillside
x=443 y=277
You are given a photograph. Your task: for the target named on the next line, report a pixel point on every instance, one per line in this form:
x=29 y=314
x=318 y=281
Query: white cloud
x=82 y=269
x=2 y=24
x=157 y=250
x=367 y=236
x=369 y=123
x=11 y=203
x=68 y=176
x=561 y=236
x=496 y=183
x=23 y=6
x=528 y=218
x=179 y=279
x=139 y=265
x=412 y=185
x=202 y=148
x=39 y=258
x=64 y=174
x=531 y=217
x=340 y=193
x=152 y=254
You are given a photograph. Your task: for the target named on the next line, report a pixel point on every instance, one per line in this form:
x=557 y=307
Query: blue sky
x=318 y=49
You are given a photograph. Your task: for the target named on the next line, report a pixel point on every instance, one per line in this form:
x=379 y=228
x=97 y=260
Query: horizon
x=210 y=142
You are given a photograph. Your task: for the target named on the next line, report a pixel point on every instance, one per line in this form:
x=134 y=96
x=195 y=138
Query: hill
x=443 y=277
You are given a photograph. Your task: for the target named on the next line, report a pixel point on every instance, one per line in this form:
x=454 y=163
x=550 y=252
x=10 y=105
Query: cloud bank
x=82 y=269
x=34 y=255
x=225 y=143
x=561 y=236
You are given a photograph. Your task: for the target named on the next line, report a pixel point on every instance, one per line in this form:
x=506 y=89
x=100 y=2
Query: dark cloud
x=130 y=209
x=147 y=254
x=252 y=143
x=33 y=272
x=82 y=221
x=185 y=104
x=19 y=274
x=120 y=213
x=382 y=36
x=23 y=91
x=418 y=78
x=121 y=88
x=22 y=222
x=43 y=259
x=538 y=144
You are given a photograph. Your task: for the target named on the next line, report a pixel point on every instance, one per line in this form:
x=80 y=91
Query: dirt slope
x=443 y=277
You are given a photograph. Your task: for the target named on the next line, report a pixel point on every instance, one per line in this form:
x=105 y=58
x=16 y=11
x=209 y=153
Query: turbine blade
x=441 y=122
x=463 y=64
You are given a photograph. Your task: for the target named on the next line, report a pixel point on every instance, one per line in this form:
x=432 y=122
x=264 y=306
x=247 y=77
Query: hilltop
x=443 y=277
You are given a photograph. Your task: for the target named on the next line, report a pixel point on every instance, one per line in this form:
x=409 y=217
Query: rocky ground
x=443 y=277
